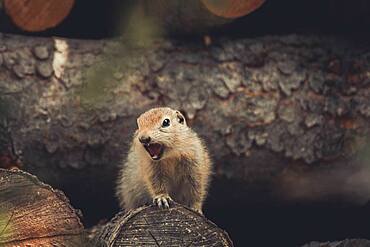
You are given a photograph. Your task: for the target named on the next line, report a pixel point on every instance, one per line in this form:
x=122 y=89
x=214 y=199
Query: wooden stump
x=151 y=226
x=37 y=15
x=33 y=214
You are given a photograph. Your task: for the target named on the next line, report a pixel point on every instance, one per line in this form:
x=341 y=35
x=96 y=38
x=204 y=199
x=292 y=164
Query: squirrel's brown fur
x=180 y=171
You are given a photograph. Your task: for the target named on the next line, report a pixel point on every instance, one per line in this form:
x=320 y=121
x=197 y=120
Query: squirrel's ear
x=180 y=118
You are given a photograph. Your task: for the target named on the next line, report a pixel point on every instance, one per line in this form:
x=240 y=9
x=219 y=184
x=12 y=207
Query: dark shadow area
x=100 y=19
x=96 y=205
x=289 y=16
x=255 y=217
x=290 y=225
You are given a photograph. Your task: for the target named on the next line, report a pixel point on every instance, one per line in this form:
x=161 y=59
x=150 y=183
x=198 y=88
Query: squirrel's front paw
x=162 y=200
x=199 y=211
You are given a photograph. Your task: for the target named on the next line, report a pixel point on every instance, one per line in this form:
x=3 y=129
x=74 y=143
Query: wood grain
x=37 y=15
x=152 y=226
x=34 y=214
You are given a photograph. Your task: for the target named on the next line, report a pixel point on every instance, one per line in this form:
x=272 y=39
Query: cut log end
x=232 y=8
x=37 y=15
x=151 y=226
x=34 y=214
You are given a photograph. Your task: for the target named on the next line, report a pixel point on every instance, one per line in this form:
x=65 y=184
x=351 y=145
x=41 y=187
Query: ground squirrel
x=167 y=162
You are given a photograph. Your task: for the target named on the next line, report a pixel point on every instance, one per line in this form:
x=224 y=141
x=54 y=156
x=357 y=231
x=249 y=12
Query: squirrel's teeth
x=155 y=150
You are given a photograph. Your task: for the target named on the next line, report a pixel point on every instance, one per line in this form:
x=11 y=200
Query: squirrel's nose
x=144 y=139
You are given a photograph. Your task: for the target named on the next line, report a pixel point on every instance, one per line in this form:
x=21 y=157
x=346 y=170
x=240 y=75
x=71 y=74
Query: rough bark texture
x=344 y=243
x=288 y=116
x=151 y=226
x=34 y=214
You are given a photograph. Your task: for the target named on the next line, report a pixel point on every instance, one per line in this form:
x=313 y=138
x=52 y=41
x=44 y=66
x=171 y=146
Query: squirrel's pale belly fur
x=182 y=173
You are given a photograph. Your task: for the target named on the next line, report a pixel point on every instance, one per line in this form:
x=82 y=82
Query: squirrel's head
x=160 y=131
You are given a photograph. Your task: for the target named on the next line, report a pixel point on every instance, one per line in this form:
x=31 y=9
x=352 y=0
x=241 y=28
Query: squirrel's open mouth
x=155 y=150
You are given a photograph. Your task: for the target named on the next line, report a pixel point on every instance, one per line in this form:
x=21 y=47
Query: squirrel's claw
x=162 y=201
x=199 y=211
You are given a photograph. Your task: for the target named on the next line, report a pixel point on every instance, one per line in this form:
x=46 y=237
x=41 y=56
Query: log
x=37 y=15
x=232 y=8
x=151 y=226
x=288 y=116
x=34 y=214
x=344 y=243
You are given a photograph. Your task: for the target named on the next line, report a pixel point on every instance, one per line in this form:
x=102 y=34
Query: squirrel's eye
x=166 y=123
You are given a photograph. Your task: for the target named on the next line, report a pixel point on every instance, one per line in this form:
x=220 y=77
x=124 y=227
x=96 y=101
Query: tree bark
x=344 y=243
x=34 y=214
x=177 y=226
x=288 y=115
